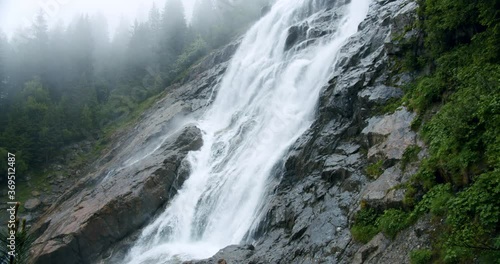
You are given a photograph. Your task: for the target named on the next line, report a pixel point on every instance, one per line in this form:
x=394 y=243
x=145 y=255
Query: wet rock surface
x=385 y=192
x=390 y=135
x=322 y=180
x=377 y=245
x=119 y=203
x=384 y=250
x=380 y=94
x=230 y=254
x=32 y=204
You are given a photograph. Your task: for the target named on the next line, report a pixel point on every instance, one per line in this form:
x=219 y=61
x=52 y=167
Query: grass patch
x=39 y=181
x=392 y=221
x=368 y=222
x=421 y=256
x=389 y=107
x=374 y=170
x=410 y=155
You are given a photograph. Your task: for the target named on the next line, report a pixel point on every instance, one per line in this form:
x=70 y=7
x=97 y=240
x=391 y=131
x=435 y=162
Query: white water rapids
x=265 y=101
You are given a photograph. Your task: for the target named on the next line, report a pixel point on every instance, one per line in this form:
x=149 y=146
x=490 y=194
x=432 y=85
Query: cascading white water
x=266 y=100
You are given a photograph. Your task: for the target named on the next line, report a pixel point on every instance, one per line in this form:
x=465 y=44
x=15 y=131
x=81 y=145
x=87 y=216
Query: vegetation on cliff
x=461 y=49
x=457 y=96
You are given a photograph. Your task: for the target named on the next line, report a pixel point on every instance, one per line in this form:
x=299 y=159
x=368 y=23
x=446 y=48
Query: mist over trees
x=69 y=83
x=226 y=18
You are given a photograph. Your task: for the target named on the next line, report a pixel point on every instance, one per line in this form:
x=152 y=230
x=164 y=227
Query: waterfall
x=265 y=102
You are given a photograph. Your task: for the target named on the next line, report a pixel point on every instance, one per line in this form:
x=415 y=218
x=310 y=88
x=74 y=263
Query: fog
x=20 y=13
x=71 y=69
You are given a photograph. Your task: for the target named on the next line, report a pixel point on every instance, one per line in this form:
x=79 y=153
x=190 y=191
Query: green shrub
x=23 y=241
x=364 y=234
x=365 y=228
x=421 y=256
x=374 y=170
x=426 y=93
x=474 y=215
x=410 y=155
x=392 y=221
x=409 y=199
x=434 y=201
x=439 y=205
x=368 y=222
x=425 y=178
x=458 y=102
x=416 y=123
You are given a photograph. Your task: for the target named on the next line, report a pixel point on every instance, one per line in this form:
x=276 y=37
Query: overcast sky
x=15 y=13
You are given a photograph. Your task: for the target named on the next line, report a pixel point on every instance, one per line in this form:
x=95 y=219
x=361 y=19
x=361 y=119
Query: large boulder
x=390 y=135
x=113 y=204
x=377 y=245
x=387 y=190
x=32 y=204
x=380 y=94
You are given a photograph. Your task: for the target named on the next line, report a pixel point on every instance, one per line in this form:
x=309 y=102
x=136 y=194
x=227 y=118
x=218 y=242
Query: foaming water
x=266 y=100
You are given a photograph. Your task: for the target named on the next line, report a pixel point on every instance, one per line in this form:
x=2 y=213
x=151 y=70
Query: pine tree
x=155 y=28
x=39 y=45
x=140 y=56
x=174 y=32
x=3 y=82
x=204 y=20
x=155 y=20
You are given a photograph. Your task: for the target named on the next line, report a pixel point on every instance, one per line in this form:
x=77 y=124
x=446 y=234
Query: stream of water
x=265 y=101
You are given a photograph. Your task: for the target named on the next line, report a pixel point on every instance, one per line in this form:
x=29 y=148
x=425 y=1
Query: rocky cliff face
x=320 y=186
x=141 y=172
x=323 y=180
